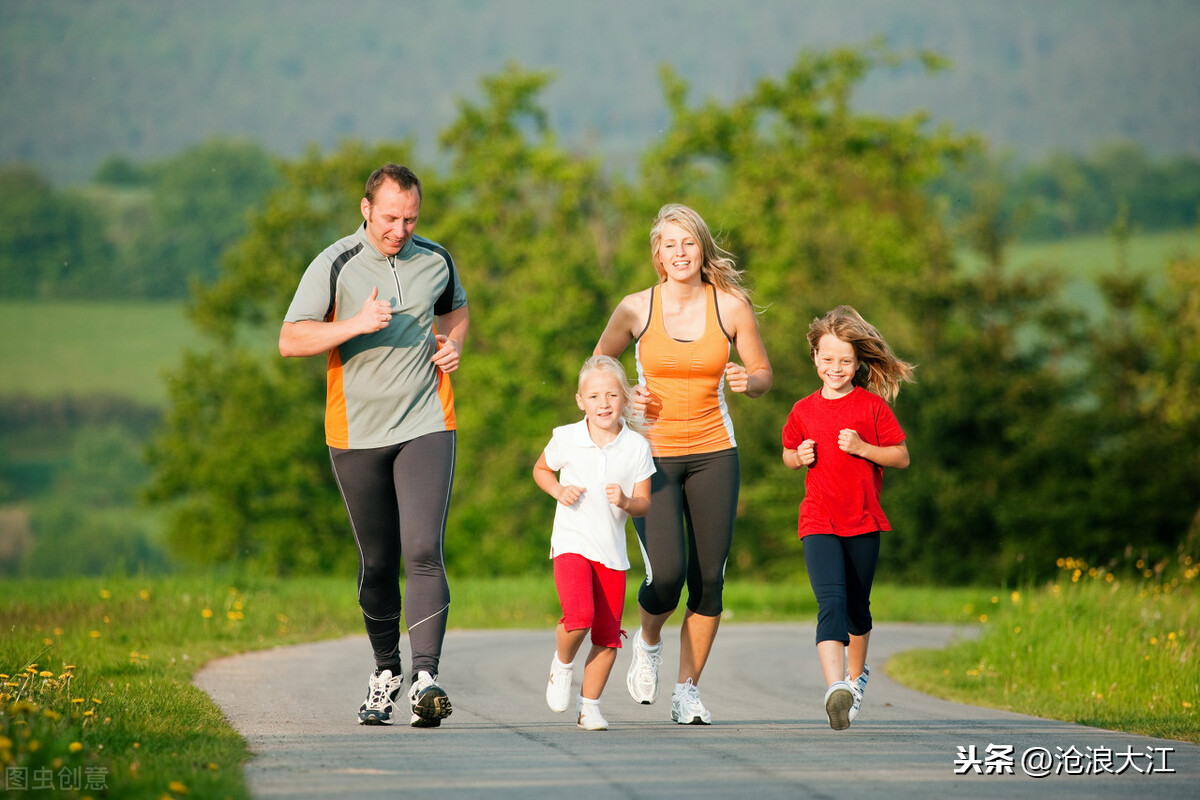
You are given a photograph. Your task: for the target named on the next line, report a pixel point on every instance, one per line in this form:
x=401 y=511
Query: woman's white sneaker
x=642 y=678
x=686 y=708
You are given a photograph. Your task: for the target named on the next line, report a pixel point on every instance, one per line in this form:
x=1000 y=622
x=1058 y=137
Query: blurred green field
x=76 y=348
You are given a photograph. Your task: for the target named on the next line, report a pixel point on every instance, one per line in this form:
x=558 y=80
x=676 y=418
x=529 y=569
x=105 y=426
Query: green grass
x=1116 y=652
x=99 y=670
x=79 y=348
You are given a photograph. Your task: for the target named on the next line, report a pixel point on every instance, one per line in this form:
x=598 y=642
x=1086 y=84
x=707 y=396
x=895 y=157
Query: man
x=389 y=310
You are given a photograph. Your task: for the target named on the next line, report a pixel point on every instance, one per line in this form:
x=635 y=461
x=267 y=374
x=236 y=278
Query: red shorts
x=592 y=596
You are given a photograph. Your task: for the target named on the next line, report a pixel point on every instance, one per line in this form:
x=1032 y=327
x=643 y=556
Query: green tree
x=532 y=229
x=199 y=202
x=52 y=243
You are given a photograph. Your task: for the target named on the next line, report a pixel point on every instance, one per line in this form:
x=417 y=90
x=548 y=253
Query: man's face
x=392 y=218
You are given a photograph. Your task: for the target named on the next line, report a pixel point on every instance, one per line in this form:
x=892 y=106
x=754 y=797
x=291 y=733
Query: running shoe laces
x=686 y=708
x=383 y=690
x=642 y=678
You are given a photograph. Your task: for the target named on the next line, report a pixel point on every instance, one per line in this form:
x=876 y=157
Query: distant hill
x=84 y=79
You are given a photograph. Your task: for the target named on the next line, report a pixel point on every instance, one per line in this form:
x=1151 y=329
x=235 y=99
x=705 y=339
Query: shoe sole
x=421 y=722
x=432 y=706
x=837 y=708
x=374 y=718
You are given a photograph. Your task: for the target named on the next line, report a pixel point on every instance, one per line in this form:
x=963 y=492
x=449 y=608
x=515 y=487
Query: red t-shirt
x=841 y=491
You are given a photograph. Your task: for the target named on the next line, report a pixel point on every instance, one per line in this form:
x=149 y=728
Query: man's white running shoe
x=859 y=687
x=558 y=688
x=686 y=708
x=383 y=690
x=642 y=678
x=590 y=718
x=838 y=700
x=430 y=705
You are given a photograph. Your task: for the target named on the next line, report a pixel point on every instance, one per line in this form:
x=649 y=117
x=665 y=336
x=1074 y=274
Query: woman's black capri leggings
x=686 y=536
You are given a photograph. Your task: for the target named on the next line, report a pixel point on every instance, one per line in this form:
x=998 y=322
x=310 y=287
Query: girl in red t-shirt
x=844 y=434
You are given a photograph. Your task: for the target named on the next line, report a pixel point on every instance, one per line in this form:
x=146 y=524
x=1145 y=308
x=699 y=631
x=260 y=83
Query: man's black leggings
x=397 y=498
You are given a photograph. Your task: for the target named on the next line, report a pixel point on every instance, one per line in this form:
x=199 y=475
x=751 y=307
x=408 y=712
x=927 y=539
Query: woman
x=682 y=329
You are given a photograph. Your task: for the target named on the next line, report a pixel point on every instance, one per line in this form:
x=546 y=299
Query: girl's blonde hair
x=878 y=368
x=718 y=268
x=613 y=367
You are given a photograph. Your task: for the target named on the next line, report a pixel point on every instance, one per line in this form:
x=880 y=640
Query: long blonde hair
x=718 y=268
x=879 y=370
x=613 y=367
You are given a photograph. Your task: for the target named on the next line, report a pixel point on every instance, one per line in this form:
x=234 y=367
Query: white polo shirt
x=593 y=527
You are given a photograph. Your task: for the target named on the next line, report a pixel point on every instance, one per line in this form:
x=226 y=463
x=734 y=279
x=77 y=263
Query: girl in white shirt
x=604 y=467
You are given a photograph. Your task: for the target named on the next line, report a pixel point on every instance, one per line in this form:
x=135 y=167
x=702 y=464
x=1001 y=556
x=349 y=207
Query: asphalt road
x=297 y=708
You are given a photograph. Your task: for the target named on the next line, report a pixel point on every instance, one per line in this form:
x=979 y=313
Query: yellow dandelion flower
x=995 y=599
x=77 y=700
x=177 y=787
x=1186 y=704
x=983 y=617
x=213 y=766
x=75 y=747
x=96 y=700
x=136 y=745
x=1015 y=597
x=1153 y=640
x=58 y=631
x=144 y=594
x=105 y=594
x=972 y=672
x=45 y=674
x=51 y=714
x=1171 y=636
x=47 y=642
x=1017 y=629
x=206 y=613
x=94 y=634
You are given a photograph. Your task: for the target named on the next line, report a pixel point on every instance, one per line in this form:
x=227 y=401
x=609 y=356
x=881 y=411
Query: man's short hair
x=404 y=177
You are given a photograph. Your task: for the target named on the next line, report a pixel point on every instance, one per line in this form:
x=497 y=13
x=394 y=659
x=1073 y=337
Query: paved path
x=297 y=707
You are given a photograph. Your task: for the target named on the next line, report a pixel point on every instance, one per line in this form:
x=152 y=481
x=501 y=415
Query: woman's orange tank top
x=688 y=380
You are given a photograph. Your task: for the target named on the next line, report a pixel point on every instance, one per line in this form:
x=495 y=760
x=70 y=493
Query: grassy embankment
x=99 y=670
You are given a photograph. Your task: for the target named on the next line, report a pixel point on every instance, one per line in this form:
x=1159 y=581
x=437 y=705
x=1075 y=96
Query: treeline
x=154 y=231
x=1035 y=433
x=1069 y=195
x=149 y=231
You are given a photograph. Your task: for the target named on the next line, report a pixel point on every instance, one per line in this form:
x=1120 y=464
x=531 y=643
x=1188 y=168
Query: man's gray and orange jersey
x=382 y=387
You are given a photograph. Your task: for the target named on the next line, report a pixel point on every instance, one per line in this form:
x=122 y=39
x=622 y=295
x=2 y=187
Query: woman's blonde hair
x=879 y=370
x=613 y=367
x=718 y=268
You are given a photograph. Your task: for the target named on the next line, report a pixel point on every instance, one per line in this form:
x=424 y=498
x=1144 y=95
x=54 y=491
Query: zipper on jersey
x=396 y=275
